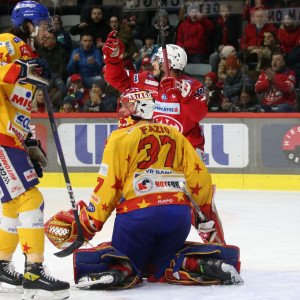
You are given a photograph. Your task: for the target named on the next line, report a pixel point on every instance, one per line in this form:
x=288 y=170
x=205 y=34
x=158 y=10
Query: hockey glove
x=35 y=71
x=113 y=49
x=37 y=167
x=62 y=231
x=176 y=88
x=35 y=151
x=207 y=231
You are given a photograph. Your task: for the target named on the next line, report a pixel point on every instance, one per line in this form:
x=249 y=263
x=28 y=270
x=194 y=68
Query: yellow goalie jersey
x=142 y=166
x=15 y=98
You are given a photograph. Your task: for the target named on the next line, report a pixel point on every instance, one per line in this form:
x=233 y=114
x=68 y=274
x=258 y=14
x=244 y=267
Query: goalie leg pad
x=101 y=259
x=179 y=274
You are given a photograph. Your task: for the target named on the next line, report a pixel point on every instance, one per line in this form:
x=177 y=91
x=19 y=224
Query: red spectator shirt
x=278 y=91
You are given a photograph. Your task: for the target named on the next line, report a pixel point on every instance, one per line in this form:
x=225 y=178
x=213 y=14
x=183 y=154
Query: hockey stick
x=80 y=237
x=162 y=38
x=200 y=214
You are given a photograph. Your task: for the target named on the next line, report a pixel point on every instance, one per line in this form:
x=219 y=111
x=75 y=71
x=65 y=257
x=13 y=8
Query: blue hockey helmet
x=29 y=10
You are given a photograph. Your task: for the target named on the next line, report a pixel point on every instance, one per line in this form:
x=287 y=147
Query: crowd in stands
x=255 y=63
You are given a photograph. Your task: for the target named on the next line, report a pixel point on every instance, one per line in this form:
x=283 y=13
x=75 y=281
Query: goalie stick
x=80 y=237
x=200 y=214
x=162 y=38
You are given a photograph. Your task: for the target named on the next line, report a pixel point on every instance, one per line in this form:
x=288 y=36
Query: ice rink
x=264 y=224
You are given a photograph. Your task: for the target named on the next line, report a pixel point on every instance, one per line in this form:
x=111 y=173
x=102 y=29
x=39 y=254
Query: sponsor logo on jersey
x=167 y=108
x=143 y=185
x=103 y=169
x=5 y=166
x=21 y=98
x=10 y=48
x=3 y=63
x=25 y=51
x=188 y=80
x=95 y=199
x=136 y=78
x=169 y=121
x=22 y=121
x=17 y=40
x=91 y=207
x=30 y=175
x=1 y=195
x=15 y=189
x=38 y=224
x=151 y=82
x=155 y=172
x=19 y=134
x=165 y=201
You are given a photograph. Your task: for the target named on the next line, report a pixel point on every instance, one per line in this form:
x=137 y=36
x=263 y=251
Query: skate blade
x=86 y=282
x=9 y=288
x=235 y=276
x=30 y=294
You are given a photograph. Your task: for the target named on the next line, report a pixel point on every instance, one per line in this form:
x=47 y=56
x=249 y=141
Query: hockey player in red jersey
x=180 y=100
x=21 y=157
x=144 y=165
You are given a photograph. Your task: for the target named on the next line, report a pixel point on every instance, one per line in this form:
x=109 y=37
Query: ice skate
x=10 y=280
x=100 y=280
x=214 y=268
x=39 y=284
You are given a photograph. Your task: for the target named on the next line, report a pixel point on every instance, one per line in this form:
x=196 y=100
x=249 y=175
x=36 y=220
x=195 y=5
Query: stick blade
x=68 y=251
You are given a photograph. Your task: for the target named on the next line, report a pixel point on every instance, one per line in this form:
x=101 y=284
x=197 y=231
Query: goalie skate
x=100 y=280
x=215 y=268
x=39 y=284
x=10 y=280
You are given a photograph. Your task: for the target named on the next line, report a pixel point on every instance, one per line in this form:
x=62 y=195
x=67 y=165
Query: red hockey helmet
x=135 y=104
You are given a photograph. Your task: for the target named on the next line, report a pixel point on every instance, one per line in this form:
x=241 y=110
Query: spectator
x=80 y=93
x=248 y=11
x=146 y=65
x=68 y=105
x=288 y=34
x=226 y=52
x=254 y=34
x=124 y=35
x=193 y=35
x=56 y=56
x=213 y=92
x=248 y=100
x=148 y=50
x=96 y=26
x=226 y=32
x=38 y=103
x=138 y=20
x=169 y=30
x=277 y=86
x=100 y=100
x=62 y=36
x=86 y=61
x=270 y=44
x=233 y=83
x=293 y=62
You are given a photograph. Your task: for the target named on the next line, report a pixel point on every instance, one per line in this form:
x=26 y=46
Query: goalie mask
x=135 y=104
x=176 y=55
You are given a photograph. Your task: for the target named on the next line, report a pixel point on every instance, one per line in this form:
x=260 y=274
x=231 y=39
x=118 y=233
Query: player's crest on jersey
x=164 y=97
x=17 y=40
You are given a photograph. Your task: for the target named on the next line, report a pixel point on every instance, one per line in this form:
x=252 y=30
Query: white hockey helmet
x=135 y=104
x=176 y=55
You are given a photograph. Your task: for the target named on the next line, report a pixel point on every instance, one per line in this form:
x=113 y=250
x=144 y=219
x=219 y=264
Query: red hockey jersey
x=184 y=115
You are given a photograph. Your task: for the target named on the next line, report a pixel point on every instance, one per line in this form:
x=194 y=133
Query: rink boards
x=243 y=150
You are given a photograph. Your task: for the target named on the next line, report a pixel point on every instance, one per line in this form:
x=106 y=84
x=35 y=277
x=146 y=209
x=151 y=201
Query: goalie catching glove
x=62 y=231
x=35 y=71
x=113 y=49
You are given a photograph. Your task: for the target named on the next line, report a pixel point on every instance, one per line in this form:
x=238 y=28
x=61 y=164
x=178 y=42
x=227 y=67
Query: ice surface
x=264 y=224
